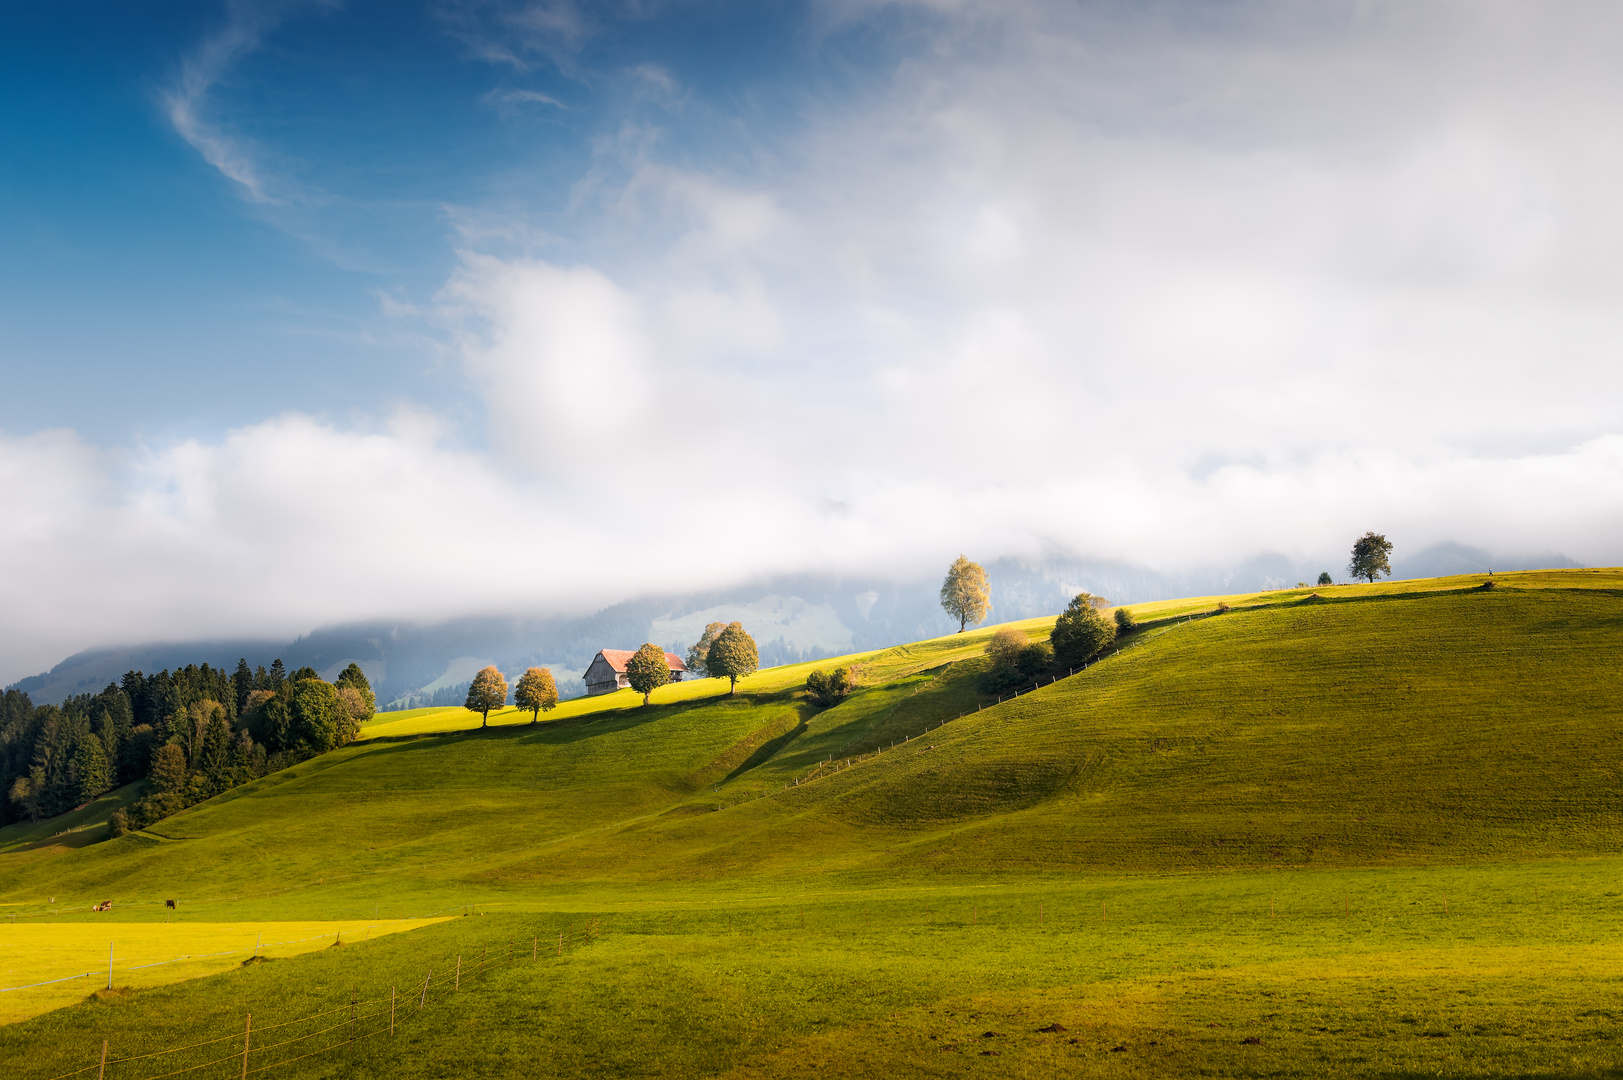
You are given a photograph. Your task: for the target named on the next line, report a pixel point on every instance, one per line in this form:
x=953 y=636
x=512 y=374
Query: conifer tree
x=536 y=691
x=168 y=771
x=353 y=676
x=242 y=684
x=487 y=691
x=966 y=595
x=733 y=656
x=648 y=670
x=90 y=768
x=278 y=674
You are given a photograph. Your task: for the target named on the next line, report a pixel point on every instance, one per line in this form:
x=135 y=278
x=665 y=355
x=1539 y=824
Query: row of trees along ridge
x=191 y=734
x=536 y=692
x=725 y=651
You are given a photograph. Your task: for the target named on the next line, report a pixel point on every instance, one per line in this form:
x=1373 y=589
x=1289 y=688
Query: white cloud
x=187 y=101
x=1076 y=278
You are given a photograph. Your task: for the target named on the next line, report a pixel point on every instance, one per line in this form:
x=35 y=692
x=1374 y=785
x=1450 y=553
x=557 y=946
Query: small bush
x=119 y=822
x=1221 y=607
x=1006 y=646
x=998 y=679
x=1124 y=620
x=828 y=688
x=1034 y=659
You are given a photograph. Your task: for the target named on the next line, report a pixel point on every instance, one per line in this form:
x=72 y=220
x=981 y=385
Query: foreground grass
x=1353 y=972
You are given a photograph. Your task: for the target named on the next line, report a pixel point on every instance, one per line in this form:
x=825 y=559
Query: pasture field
x=1354 y=973
x=147 y=954
x=1377 y=829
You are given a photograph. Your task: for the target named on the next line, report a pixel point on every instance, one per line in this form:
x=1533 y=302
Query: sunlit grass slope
x=152 y=954
x=1373 y=830
x=1400 y=723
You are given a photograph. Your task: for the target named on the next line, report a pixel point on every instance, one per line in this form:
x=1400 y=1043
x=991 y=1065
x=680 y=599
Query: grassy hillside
x=1386 y=745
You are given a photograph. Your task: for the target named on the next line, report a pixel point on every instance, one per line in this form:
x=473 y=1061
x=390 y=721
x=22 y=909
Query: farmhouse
x=607 y=671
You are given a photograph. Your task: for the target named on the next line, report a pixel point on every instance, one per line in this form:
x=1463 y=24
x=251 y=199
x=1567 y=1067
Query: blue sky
x=324 y=311
x=148 y=295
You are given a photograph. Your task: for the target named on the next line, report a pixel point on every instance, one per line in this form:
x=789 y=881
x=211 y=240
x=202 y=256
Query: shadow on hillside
x=80 y=837
x=1325 y=599
x=562 y=732
x=767 y=751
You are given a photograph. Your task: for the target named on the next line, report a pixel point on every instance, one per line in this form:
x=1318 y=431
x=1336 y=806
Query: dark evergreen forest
x=189 y=734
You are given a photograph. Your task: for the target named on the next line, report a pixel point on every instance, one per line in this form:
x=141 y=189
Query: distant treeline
x=190 y=734
x=444 y=697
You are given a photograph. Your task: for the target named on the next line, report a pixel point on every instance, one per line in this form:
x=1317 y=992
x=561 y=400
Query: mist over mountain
x=793 y=618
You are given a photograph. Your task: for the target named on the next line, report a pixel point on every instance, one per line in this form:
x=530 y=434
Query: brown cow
x=105 y=905
x=170 y=904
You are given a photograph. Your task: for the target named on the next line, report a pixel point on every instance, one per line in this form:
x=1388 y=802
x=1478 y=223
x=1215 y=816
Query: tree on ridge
x=701 y=649
x=487 y=691
x=648 y=670
x=1370 y=557
x=733 y=656
x=966 y=595
x=536 y=691
x=1081 y=633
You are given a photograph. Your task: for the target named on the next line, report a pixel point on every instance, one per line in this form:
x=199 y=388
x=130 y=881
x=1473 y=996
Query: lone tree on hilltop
x=487 y=691
x=1369 y=557
x=966 y=595
x=647 y=670
x=701 y=649
x=1082 y=632
x=1324 y=578
x=733 y=656
x=536 y=691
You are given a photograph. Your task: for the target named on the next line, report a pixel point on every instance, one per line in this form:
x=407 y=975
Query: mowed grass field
x=151 y=954
x=1376 y=830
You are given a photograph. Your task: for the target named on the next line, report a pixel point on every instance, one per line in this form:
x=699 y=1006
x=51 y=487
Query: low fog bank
x=793 y=618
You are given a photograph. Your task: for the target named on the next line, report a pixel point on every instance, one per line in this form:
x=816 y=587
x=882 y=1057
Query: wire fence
x=251 y=1049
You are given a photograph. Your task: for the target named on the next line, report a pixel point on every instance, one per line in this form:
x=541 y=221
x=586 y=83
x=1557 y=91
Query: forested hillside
x=193 y=733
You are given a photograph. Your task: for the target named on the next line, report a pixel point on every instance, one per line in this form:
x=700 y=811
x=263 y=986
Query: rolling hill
x=1427 y=737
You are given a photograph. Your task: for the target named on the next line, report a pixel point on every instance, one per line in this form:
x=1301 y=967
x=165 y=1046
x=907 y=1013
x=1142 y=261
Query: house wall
x=600 y=678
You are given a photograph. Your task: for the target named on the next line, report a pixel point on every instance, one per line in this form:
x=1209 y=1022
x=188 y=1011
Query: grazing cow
x=105 y=905
x=170 y=904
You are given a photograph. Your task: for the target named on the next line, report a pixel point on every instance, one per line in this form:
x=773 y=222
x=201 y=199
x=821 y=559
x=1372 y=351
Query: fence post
x=535 y=944
x=457 y=985
x=247 y=1034
x=426 y=981
x=391 y=1011
x=352 y=1018
x=103 y=1073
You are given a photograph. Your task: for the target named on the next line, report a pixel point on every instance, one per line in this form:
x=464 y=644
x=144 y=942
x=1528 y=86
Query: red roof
x=617 y=659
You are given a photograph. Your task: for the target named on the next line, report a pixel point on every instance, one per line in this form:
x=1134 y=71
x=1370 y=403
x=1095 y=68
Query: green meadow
x=1358 y=830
